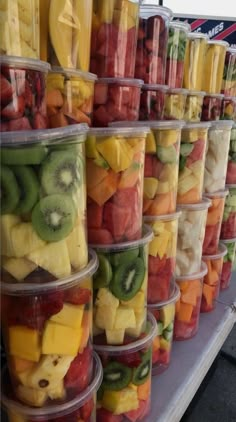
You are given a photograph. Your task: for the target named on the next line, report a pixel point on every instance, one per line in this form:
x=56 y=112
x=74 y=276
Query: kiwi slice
x=141 y=373
x=53 y=217
x=61 y=172
x=128 y=279
x=116 y=376
x=119 y=258
x=23 y=156
x=103 y=275
x=10 y=192
x=29 y=188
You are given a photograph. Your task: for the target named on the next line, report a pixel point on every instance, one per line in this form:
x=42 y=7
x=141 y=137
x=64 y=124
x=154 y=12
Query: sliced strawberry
x=78 y=296
x=15 y=109
x=79 y=373
x=6 y=90
x=39 y=121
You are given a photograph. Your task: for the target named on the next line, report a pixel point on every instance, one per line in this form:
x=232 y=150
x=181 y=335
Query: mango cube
x=61 y=340
x=119 y=402
x=125 y=318
x=24 y=343
x=70 y=315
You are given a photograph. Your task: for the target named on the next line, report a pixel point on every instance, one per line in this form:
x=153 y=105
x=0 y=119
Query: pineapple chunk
x=140 y=317
x=31 y=396
x=119 y=402
x=25 y=240
x=150 y=187
x=117 y=153
x=24 y=343
x=115 y=336
x=105 y=317
x=159 y=244
x=58 y=392
x=125 y=318
x=106 y=298
x=77 y=247
x=19 y=268
x=15 y=417
x=167 y=314
x=164 y=344
x=70 y=315
x=138 y=301
x=61 y=340
x=158 y=227
x=8 y=221
x=187 y=184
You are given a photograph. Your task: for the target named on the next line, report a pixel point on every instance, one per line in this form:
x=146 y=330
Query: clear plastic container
x=177 y=43
x=228 y=263
x=192 y=162
x=175 y=100
x=47 y=330
x=152 y=102
x=80 y=408
x=162 y=256
x=120 y=290
x=114 y=164
x=194 y=61
x=70 y=96
x=231 y=169
x=23 y=93
x=214 y=221
x=228 y=86
x=114 y=38
x=20 y=28
x=217 y=156
x=43 y=211
x=211 y=281
x=187 y=309
x=191 y=232
x=214 y=66
x=164 y=313
x=65 y=33
x=152 y=43
x=228 y=227
x=116 y=99
x=125 y=393
x=193 y=106
x=211 y=109
x=228 y=109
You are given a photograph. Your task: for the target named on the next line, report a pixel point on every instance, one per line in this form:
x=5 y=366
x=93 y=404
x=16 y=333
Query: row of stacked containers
x=118 y=203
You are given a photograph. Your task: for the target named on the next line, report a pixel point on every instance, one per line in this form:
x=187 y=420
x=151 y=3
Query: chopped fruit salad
x=175 y=100
x=231 y=169
x=211 y=109
x=177 y=42
x=228 y=86
x=193 y=106
x=228 y=227
x=228 y=110
x=214 y=221
x=228 y=263
x=194 y=61
x=152 y=102
x=214 y=66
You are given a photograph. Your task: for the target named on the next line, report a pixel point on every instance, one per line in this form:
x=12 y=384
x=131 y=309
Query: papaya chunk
x=185 y=312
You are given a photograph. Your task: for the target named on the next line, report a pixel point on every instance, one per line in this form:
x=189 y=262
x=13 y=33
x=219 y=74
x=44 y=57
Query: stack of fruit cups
x=228 y=86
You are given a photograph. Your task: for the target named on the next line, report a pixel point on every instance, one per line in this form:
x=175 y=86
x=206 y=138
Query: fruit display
x=194 y=60
x=164 y=313
x=187 y=309
x=211 y=108
x=43 y=209
x=65 y=32
x=191 y=232
x=120 y=290
x=116 y=100
x=114 y=164
x=213 y=67
x=177 y=42
x=47 y=332
x=125 y=392
x=228 y=227
x=228 y=86
x=211 y=281
x=175 y=100
x=152 y=43
x=228 y=110
x=152 y=102
x=162 y=256
x=231 y=169
x=217 y=156
x=80 y=409
x=23 y=93
x=193 y=106
x=191 y=162
x=70 y=96
x=214 y=221
x=228 y=263
x=19 y=28
x=114 y=38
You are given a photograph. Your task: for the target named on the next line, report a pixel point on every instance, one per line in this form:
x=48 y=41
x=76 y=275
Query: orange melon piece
x=51 y=111
x=213 y=217
x=162 y=204
x=147 y=204
x=217 y=265
x=208 y=293
x=144 y=390
x=189 y=297
x=212 y=278
x=105 y=190
x=183 y=285
x=130 y=176
x=54 y=98
x=58 y=120
x=75 y=114
x=190 y=197
x=95 y=174
x=21 y=365
x=185 y=312
x=177 y=306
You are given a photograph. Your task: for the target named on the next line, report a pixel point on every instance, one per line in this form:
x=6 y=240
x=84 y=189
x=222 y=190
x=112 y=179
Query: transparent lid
x=218 y=194
x=232 y=240
x=221 y=124
x=155 y=87
x=197 y=93
x=229 y=98
x=194 y=276
x=166 y=217
x=173 y=299
x=147 y=10
x=152 y=124
x=218 y=42
x=74 y=72
x=232 y=186
x=25 y=63
x=183 y=26
x=214 y=95
x=177 y=91
x=196 y=35
x=121 y=81
x=198 y=125
x=222 y=251
x=231 y=50
x=202 y=205
x=128 y=130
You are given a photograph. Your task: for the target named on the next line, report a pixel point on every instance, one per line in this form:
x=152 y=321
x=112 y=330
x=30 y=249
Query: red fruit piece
x=39 y=121
x=6 y=90
x=164 y=357
x=28 y=95
x=148 y=170
x=231 y=173
x=131 y=360
x=128 y=197
x=198 y=150
x=94 y=215
x=104 y=415
x=15 y=109
x=102 y=236
x=100 y=93
x=79 y=372
x=138 y=415
x=116 y=219
x=158 y=288
x=18 y=124
x=78 y=296
x=87 y=409
x=155 y=264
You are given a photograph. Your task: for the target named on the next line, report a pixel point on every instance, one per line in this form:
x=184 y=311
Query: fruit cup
x=20 y=28
x=191 y=232
x=211 y=109
x=217 y=156
x=162 y=256
x=125 y=392
x=177 y=42
x=65 y=33
x=115 y=160
x=228 y=110
x=227 y=263
x=187 y=309
x=82 y=408
x=23 y=93
x=120 y=290
x=191 y=163
x=70 y=96
x=214 y=221
x=213 y=67
x=43 y=209
x=175 y=100
x=152 y=102
x=193 y=106
x=194 y=60
x=164 y=313
x=114 y=38
x=211 y=281
x=228 y=227
x=228 y=86
x=47 y=331
x=231 y=169
x=152 y=43
x=116 y=99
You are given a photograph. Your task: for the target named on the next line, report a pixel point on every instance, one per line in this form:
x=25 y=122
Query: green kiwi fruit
x=10 y=192
x=29 y=188
x=103 y=275
x=116 y=376
x=142 y=372
x=23 y=155
x=128 y=279
x=53 y=217
x=119 y=258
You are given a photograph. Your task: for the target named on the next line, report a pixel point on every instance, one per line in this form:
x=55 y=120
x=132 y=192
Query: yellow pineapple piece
x=159 y=244
x=138 y=301
x=125 y=318
x=167 y=314
x=58 y=392
x=150 y=187
x=119 y=402
x=25 y=240
x=150 y=147
x=15 y=417
x=77 y=247
x=105 y=317
x=117 y=153
x=167 y=137
x=106 y=298
x=70 y=315
x=115 y=336
x=8 y=221
x=105 y=10
x=19 y=268
x=31 y=396
x=140 y=317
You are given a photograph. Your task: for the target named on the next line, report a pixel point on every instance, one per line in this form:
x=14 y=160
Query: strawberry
x=19 y=124
x=6 y=90
x=39 y=121
x=78 y=296
x=79 y=372
x=86 y=410
x=15 y=109
x=132 y=360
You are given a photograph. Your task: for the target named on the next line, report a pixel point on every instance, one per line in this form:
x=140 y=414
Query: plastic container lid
x=231 y=50
x=221 y=124
x=56 y=410
x=121 y=81
x=177 y=91
x=148 y=10
x=228 y=240
x=218 y=42
x=233 y=186
x=222 y=251
x=196 y=35
x=155 y=87
x=214 y=95
x=199 y=93
x=25 y=63
x=194 y=276
x=74 y=72
x=218 y=194
x=152 y=124
x=128 y=130
x=173 y=299
x=198 y=125
x=184 y=26
x=166 y=217
x=230 y=98
x=202 y=205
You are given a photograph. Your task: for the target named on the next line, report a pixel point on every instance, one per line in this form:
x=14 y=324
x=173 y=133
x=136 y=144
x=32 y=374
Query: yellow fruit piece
x=15 y=417
x=25 y=240
x=167 y=314
x=7 y=222
x=167 y=137
x=70 y=315
x=105 y=10
x=31 y=396
x=140 y=317
x=187 y=184
x=106 y=298
x=58 y=392
x=133 y=386
x=122 y=19
x=184 y=174
x=55 y=81
x=156 y=344
x=82 y=33
x=19 y=268
x=150 y=144
x=119 y=402
x=105 y=317
x=61 y=340
x=138 y=301
x=150 y=187
x=77 y=247
x=91 y=147
x=163 y=187
x=158 y=227
x=24 y=343
x=159 y=244
x=125 y=318
x=164 y=344
x=43 y=13
x=115 y=336
x=117 y=152
x=20 y=365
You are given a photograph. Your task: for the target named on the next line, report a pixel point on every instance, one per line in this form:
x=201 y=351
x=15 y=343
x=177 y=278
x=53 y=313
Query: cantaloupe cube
x=208 y=293
x=185 y=312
